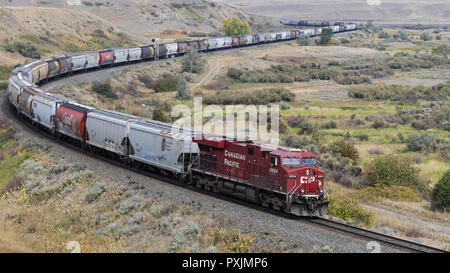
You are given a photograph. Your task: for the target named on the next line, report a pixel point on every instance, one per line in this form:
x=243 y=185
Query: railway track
x=377 y=237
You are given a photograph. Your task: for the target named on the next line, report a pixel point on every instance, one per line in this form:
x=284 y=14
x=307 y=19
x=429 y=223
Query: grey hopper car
x=78 y=61
x=44 y=108
x=157 y=144
x=64 y=64
x=15 y=87
x=108 y=130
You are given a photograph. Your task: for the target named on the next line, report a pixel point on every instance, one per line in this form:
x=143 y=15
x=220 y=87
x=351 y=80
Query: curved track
x=395 y=242
x=378 y=237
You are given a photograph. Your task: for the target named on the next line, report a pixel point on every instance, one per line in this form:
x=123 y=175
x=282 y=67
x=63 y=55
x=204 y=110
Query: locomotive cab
x=303 y=181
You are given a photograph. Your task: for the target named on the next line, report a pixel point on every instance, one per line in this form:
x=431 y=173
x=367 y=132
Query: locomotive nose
x=311 y=180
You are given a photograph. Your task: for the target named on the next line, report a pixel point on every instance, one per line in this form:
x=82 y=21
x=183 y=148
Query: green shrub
x=427 y=116
x=329 y=125
x=284 y=105
x=260 y=97
x=5 y=72
x=304 y=40
x=389 y=170
x=193 y=62
x=383 y=35
x=421 y=142
x=25 y=49
x=165 y=83
x=183 y=92
x=103 y=89
x=363 y=137
x=345 y=148
x=234 y=73
x=441 y=192
x=197 y=34
x=299 y=142
x=401 y=35
x=301 y=123
x=350 y=210
x=160 y=115
x=426 y=36
x=402 y=93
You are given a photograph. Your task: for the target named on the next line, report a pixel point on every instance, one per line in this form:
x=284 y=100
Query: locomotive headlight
x=303 y=191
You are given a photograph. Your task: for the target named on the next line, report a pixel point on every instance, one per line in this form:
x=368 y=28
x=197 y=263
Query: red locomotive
x=273 y=176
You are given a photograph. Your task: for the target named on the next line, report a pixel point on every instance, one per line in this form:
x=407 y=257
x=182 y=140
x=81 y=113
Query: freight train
x=308 y=23
x=282 y=178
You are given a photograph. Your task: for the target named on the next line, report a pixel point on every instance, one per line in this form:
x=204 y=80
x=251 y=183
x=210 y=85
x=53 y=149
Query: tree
x=426 y=36
x=325 y=37
x=193 y=62
x=183 y=92
x=234 y=26
x=441 y=192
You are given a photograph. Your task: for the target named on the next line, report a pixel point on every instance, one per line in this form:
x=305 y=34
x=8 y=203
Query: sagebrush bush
x=25 y=49
x=147 y=80
x=260 y=97
x=160 y=115
x=284 y=105
x=304 y=40
x=193 y=62
x=232 y=241
x=329 y=125
x=301 y=123
x=104 y=89
x=166 y=83
x=183 y=93
x=427 y=116
x=345 y=148
x=421 y=142
x=441 y=192
x=403 y=93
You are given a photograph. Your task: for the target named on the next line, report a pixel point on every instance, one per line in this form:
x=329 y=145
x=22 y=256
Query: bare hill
x=381 y=11
x=144 y=18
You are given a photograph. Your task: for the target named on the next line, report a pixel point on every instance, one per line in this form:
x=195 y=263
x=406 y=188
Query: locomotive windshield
x=309 y=161
x=291 y=161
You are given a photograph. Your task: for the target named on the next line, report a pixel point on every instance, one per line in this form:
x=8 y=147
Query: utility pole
x=156 y=45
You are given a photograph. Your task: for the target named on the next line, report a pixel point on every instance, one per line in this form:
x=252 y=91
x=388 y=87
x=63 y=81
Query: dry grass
x=13 y=242
x=45 y=218
x=412 y=231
